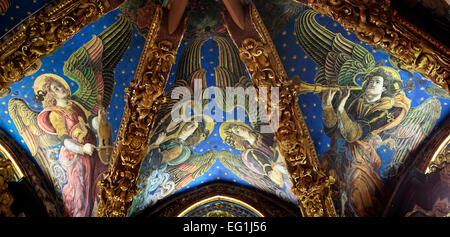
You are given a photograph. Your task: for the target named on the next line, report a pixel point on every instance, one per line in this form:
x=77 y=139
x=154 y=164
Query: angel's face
x=59 y=91
x=241 y=131
x=375 y=86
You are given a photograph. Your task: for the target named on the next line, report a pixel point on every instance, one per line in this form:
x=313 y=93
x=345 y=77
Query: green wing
x=92 y=66
x=436 y=91
x=339 y=59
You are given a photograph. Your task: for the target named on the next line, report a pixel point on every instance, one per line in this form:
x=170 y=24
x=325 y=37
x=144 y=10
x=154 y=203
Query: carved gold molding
x=440 y=157
x=42 y=33
x=6 y=199
x=144 y=97
x=377 y=24
x=442 y=162
x=257 y=51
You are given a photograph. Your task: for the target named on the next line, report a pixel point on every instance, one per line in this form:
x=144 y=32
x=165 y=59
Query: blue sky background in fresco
x=295 y=60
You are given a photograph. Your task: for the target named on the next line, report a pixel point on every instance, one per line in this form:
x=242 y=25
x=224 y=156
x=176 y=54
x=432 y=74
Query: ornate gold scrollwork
x=257 y=51
x=442 y=163
x=144 y=97
x=377 y=24
x=6 y=199
x=42 y=33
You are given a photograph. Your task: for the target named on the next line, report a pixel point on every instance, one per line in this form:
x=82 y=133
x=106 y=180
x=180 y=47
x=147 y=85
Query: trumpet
x=303 y=87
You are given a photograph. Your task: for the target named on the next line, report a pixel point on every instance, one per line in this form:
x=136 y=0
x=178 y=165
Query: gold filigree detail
x=377 y=24
x=42 y=33
x=144 y=97
x=442 y=164
x=6 y=199
x=441 y=160
x=255 y=55
x=311 y=185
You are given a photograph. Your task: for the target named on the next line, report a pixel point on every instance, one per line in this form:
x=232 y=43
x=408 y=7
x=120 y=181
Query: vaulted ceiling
x=312 y=47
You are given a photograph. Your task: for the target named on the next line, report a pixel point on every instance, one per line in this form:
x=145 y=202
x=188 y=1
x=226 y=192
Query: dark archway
x=267 y=204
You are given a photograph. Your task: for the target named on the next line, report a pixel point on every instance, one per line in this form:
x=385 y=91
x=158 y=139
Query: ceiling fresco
x=385 y=148
x=107 y=50
x=182 y=155
x=75 y=97
x=205 y=16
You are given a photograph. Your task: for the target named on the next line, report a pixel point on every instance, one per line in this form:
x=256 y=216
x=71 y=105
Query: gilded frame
x=377 y=24
x=267 y=204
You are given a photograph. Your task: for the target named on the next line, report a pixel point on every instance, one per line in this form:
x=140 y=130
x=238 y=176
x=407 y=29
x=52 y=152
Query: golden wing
x=38 y=141
x=234 y=163
x=191 y=169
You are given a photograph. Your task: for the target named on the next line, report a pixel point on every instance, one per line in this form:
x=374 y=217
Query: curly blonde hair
x=46 y=95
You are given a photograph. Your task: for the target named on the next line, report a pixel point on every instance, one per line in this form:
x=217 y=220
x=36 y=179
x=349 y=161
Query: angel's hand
x=160 y=138
x=88 y=148
x=345 y=94
x=327 y=97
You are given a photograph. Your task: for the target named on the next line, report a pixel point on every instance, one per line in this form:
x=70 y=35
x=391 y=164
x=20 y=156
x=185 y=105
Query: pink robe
x=83 y=171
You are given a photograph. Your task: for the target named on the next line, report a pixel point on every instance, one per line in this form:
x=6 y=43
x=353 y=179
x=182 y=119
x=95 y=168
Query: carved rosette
x=377 y=24
x=6 y=199
x=42 y=33
x=257 y=51
x=144 y=97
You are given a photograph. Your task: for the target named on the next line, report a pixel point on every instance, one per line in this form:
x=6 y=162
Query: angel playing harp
x=363 y=118
x=71 y=119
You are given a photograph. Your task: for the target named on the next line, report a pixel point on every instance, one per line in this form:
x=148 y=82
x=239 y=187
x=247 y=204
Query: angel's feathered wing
x=230 y=68
x=234 y=163
x=38 y=141
x=192 y=168
x=414 y=128
x=231 y=73
x=188 y=69
x=92 y=66
x=339 y=59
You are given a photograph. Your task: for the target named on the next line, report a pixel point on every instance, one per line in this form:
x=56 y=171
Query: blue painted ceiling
x=294 y=58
